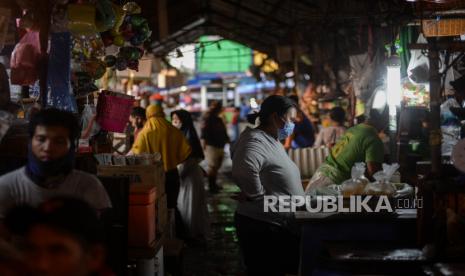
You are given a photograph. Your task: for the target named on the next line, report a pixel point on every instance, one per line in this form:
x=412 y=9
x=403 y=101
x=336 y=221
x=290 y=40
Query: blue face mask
x=286 y=131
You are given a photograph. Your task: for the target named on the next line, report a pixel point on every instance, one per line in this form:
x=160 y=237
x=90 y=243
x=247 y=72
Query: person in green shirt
x=360 y=143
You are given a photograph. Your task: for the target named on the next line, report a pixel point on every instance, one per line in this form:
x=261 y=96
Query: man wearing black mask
x=49 y=170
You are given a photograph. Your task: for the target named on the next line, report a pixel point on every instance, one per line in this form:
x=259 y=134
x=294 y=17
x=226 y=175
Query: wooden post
x=435 y=103
x=45 y=17
x=163 y=27
x=353 y=105
x=295 y=60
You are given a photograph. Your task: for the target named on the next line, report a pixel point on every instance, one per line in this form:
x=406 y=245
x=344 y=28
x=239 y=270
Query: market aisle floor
x=220 y=255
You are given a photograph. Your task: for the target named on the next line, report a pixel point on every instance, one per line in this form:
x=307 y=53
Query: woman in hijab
x=192 y=202
x=158 y=135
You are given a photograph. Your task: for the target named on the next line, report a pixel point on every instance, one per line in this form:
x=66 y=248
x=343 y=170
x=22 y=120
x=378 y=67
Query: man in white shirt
x=49 y=170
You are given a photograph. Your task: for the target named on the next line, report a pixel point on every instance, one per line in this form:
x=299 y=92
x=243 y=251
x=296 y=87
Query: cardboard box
x=143 y=174
x=443 y=27
x=142 y=215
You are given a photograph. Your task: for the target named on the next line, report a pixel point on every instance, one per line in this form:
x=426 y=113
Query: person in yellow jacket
x=158 y=135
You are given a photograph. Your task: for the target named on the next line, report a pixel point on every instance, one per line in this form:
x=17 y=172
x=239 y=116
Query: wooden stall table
x=318 y=228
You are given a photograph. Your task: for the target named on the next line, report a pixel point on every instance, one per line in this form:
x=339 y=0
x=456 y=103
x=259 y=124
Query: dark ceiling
x=264 y=24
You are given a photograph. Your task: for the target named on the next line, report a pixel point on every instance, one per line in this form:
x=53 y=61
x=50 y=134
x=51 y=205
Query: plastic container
x=142 y=215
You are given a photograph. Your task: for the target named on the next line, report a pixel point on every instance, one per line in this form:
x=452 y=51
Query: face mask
x=286 y=131
x=39 y=170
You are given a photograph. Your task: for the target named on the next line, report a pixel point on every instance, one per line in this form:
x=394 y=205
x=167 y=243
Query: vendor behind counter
x=360 y=143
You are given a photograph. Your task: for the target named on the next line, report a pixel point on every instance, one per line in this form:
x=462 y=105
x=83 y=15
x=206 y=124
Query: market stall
x=64 y=55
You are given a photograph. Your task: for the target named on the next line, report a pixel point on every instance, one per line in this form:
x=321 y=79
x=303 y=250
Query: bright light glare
x=393 y=87
x=183 y=88
x=253 y=103
x=289 y=74
x=379 y=102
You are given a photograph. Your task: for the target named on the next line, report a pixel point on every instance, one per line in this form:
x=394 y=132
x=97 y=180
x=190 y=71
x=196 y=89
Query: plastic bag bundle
x=88 y=114
x=382 y=185
x=331 y=190
x=6 y=120
x=81 y=19
x=59 y=72
x=356 y=185
x=25 y=60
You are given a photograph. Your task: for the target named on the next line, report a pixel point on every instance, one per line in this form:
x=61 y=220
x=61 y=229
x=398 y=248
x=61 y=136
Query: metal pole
x=435 y=102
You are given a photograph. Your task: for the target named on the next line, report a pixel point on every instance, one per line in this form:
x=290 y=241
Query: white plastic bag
x=418 y=67
x=6 y=120
x=88 y=117
x=355 y=185
x=382 y=185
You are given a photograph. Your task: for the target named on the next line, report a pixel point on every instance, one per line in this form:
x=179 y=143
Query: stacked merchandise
x=148 y=211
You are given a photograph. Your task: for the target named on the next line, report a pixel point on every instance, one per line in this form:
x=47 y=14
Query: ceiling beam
x=187 y=29
x=242 y=38
x=270 y=14
x=308 y=4
x=260 y=32
x=254 y=12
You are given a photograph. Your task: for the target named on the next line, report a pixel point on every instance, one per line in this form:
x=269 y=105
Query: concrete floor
x=220 y=255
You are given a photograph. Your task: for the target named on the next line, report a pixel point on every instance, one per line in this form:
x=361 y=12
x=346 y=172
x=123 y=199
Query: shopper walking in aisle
x=158 y=135
x=192 y=200
x=214 y=138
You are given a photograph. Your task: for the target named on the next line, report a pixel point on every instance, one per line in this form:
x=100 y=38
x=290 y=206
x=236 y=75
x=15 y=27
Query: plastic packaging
x=25 y=59
x=132 y=8
x=382 y=185
x=105 y=17
x=88 y=115
x=81 y=19
x=6 y=120
x=357 y=184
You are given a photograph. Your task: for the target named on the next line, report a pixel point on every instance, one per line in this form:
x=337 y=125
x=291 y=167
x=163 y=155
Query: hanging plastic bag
x=132 y=8
x=59 y=71
x=25 y=60
x=383 y=185
x=81 y=19
x=105 y=17
x=113 y=110
x=356 y=185
x=89 y=125
x=6 y=120
x=119 y=18
x=418 y=67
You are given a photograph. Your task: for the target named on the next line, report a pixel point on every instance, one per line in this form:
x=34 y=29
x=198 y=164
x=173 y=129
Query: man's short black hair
x=65 y=214
x=294 y=98
x=138 y=112
x=338 y=114
x=53 y=117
